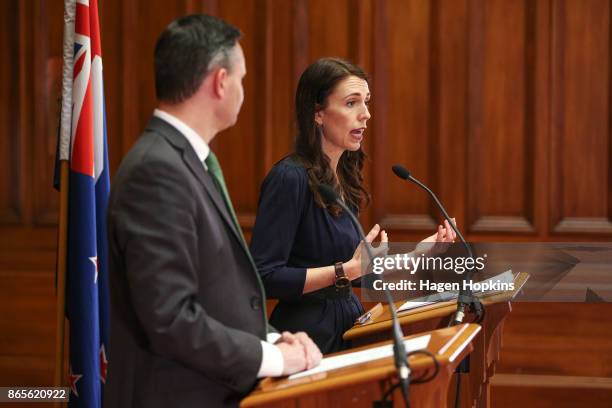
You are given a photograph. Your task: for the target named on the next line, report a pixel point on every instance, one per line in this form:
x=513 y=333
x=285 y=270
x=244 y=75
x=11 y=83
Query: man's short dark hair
x=186 y=52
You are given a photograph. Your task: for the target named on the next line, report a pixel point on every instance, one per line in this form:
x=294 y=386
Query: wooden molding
x=413 y=222
x=502 y=224
x=584 y=225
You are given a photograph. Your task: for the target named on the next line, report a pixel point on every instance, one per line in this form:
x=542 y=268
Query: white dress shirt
x=272 y=358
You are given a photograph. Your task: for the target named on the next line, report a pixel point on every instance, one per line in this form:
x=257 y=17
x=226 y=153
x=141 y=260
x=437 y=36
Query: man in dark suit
x=188 y=322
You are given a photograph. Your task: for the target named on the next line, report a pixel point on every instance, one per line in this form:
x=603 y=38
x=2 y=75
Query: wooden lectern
x=361 y=384
x=487 y=345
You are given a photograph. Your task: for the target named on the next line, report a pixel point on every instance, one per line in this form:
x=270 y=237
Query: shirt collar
x=199 y=145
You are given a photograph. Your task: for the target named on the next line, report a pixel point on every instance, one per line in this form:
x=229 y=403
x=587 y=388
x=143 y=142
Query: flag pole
x=61 y=276
x=64 y=157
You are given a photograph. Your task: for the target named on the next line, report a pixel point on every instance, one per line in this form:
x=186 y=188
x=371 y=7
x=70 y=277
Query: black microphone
x=399 y=350
x=465 y=297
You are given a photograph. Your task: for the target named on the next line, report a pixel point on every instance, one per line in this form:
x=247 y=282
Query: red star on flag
x=72 y=380
x=103 y=364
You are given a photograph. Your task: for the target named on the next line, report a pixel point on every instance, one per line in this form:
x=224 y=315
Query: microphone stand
x=399 y=349
x=465 y=298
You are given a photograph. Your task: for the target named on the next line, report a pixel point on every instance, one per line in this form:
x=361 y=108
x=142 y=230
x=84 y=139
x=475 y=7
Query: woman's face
x=343 y=120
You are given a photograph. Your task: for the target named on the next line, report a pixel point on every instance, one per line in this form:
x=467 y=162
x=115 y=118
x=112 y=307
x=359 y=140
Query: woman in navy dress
x=304 y=248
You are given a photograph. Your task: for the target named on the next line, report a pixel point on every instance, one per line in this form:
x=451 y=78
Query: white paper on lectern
x=505 y=277
x=363 y=356
x=413 y=305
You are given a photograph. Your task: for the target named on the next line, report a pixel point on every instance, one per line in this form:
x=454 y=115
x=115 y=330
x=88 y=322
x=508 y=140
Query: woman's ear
x=319 y=117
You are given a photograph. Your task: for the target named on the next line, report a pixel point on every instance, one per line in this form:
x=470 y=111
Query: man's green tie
x=215 y=170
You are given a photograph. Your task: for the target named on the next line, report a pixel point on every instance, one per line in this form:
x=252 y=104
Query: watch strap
x=339 y=269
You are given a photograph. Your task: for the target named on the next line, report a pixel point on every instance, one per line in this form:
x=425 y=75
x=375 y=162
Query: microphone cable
x=421 y=380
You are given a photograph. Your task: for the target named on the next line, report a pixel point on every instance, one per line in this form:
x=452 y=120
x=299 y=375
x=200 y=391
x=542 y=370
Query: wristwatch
x=342 y=283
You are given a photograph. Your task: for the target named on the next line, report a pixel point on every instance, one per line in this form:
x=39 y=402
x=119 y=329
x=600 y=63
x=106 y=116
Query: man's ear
x=219 y=82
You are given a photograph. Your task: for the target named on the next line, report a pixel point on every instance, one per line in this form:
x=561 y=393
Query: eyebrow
x=356 y=94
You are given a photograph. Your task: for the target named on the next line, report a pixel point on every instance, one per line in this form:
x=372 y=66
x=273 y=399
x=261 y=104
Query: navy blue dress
x=292 y=233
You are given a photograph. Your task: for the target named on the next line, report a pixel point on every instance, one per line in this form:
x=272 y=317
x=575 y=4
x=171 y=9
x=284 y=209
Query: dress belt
x=329 y=293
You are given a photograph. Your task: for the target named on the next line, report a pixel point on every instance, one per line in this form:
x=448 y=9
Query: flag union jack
x=87 y=306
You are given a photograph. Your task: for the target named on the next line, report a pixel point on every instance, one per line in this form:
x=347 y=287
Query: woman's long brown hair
x=316 y=84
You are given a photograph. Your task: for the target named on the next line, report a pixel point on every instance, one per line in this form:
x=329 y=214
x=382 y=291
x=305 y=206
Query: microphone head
x=400 y=171
x=328 y=193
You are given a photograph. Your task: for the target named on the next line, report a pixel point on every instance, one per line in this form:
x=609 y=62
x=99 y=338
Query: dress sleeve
x=278 y=218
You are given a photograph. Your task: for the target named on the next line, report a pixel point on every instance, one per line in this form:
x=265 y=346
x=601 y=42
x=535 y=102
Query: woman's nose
x=366 y=114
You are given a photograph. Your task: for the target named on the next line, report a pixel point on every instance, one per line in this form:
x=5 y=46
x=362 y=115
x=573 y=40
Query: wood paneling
x=27 y=322
x=41 y=144
x=558 y=339
x=405 y=66
x=500 y=84
x=10 y=86
x=550 y=391
x=501 y=107
x=555 y=355
x=581 y=189
x=328 y=28
x=449 y=71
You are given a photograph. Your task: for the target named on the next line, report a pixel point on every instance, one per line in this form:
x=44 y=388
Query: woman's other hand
x=439 y=242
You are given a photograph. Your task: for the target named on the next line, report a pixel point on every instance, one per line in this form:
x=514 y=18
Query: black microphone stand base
x=464 y=303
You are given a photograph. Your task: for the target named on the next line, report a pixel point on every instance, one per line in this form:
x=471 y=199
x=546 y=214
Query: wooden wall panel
x=406 y=97
x=500 y=129
x=567 y=338
x=328 y=29
x=581 y=188
x=278 y=133
x=27 y=322
x=502 y=107
x=42 y=143
x=10 y=147
x=449 y=70
x=541 y=116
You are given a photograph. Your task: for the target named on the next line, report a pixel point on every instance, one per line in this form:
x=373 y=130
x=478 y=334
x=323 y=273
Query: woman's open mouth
x=357 y=134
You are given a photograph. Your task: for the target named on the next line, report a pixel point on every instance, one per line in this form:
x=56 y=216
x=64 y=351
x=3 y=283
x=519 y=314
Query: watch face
x=342 y=282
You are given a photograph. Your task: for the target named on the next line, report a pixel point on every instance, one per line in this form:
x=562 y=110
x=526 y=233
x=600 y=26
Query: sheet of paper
x=505 y=277
x=363 y=356
x=427 y=300
x=413 y=305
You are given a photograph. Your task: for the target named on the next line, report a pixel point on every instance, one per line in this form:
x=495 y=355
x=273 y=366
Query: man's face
x=235 y=92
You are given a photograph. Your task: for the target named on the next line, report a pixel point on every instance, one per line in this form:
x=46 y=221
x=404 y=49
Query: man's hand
x=299 y=352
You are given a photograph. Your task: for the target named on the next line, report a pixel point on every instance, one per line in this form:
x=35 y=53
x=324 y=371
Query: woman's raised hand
x=356 y=266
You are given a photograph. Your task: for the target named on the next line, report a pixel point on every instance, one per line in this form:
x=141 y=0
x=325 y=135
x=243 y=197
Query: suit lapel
x=195 y=166
x=202 y=175
x=189 y=156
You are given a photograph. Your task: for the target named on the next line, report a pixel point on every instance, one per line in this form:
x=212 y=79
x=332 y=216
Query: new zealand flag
x=87 y=300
